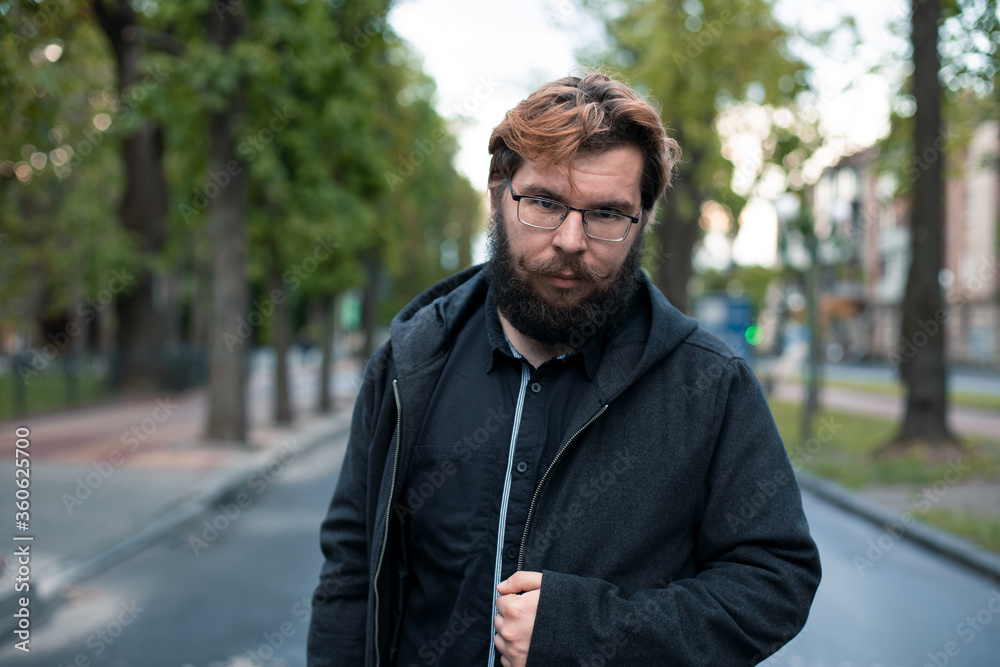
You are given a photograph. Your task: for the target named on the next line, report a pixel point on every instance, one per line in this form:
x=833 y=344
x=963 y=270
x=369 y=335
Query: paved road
x=244 y=592
x=885 y=602
x=230 y=596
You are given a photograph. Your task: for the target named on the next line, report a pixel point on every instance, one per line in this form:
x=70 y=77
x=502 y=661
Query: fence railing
x=73 y=380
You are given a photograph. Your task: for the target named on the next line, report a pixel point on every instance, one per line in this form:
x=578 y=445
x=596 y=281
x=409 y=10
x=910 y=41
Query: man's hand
x=516 y=607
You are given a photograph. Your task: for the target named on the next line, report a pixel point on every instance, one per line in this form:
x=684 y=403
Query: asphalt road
x=242 y=599
x=232 y=594
x=887 y=602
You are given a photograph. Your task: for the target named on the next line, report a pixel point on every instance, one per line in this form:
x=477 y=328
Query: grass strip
x=843 y=450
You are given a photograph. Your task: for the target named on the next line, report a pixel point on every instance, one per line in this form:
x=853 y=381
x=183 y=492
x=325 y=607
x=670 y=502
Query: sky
x=488 y=55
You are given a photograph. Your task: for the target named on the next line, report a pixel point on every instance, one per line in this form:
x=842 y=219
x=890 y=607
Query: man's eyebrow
x=610 y=204
x=538 y=191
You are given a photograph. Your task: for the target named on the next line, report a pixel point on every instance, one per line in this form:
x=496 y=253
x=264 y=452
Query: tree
x=261 y=78
x=59 y=130
x=924 y=373
x=297 y=139
x=143 y=211
x=970 y=47
x=321 y=130
x=227 y=380
x=701 y=59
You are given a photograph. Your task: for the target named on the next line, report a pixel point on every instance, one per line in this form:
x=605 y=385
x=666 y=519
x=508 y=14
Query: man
x=549 y=464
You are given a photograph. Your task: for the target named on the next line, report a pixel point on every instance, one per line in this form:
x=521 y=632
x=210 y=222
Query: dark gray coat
x=669 y=529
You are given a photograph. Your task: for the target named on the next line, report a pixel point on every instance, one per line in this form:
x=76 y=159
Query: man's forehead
x=615 y=172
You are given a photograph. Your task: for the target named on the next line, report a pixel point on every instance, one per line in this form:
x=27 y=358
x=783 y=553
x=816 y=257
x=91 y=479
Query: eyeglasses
x=542 y=213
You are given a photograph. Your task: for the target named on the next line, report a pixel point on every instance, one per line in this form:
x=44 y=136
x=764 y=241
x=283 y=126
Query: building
x=864 y=255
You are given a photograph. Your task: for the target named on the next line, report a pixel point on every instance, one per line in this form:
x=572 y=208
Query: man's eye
x=543 y=205
x=604 y=215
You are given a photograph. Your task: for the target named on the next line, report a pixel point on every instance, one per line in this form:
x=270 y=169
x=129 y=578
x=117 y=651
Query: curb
x=957 y=549
x=214 y=488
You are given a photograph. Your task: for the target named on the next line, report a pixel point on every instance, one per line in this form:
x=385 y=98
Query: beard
x=564 y=318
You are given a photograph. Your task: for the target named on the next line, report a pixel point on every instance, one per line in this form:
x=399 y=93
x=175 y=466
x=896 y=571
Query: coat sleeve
x=337 y=636
x=757 y=566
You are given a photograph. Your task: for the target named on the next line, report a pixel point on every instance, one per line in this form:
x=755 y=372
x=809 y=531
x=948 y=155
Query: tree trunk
x=369 y=303
x=922 y=349
x=227 y=413
x=201 y=308
x=143 y=211
x=324 y=312
x=677 y=233
x=813 y=365
x=174 y=305
x=283 y=413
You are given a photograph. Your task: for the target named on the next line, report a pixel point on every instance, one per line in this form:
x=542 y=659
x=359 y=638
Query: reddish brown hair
x=590 y=114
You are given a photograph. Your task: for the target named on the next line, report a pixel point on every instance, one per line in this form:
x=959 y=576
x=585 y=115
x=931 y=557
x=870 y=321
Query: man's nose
x=570 y=236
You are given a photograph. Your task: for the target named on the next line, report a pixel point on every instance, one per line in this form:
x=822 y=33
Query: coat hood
x=424 y=328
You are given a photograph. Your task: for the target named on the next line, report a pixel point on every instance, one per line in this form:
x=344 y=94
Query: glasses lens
x=607 y=226
x=540 y=213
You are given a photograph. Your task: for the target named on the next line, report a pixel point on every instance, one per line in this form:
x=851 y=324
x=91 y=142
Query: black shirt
x=465 y=480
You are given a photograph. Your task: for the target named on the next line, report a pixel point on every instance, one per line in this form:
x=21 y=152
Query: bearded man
x=548 y=463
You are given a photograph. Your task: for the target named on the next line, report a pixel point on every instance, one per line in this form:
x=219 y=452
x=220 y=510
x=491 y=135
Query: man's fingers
x=520 y=582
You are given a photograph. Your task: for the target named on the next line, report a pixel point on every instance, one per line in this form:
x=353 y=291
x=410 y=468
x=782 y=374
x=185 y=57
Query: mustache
x=560 y=266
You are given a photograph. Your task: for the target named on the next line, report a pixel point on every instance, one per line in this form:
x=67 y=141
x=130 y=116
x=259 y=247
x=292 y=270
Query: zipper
x=505 y=495
x=538 y=489
x=388 y=509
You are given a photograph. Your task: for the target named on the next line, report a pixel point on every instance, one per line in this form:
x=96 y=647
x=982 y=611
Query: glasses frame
x=583 y=214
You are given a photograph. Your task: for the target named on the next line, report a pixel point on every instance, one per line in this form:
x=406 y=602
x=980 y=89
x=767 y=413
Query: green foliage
x=344 y=156
x=58 y=167
x=970 y=64
x=970 y=47
x=703 y=58
x=849 y=455
x=324 y=140
x=980 y=528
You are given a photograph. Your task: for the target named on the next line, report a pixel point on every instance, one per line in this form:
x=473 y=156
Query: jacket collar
x=423 y=330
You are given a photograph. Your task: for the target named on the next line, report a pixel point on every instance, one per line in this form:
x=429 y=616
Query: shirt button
x=522 y=466
x=535 y=387
x=511 y=553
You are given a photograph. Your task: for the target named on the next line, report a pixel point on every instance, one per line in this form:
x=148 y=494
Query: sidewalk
x=109 y=480
x=965 y=421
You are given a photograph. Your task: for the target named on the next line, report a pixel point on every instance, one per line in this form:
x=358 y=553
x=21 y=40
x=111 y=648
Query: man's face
x=552 y=284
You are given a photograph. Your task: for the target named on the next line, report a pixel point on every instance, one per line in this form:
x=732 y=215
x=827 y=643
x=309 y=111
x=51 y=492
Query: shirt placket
x=527 y=457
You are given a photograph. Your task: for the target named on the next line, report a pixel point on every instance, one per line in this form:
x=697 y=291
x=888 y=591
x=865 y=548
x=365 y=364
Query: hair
x=583 y=115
